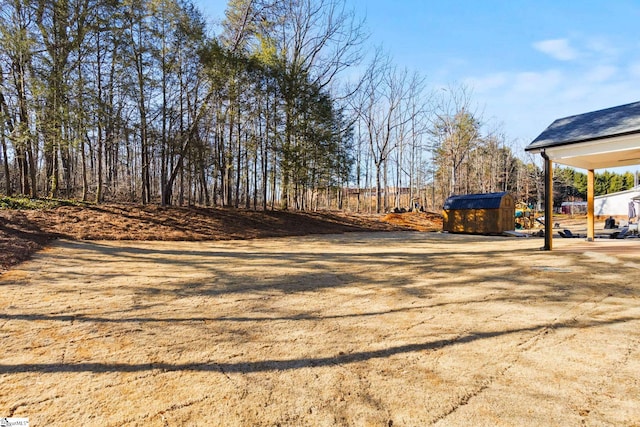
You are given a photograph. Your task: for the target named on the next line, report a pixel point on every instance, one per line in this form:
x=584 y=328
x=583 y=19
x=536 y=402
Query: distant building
x=616 y=204
x=571 y=208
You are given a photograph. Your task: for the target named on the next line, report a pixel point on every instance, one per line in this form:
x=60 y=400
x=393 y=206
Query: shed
x=487 y=213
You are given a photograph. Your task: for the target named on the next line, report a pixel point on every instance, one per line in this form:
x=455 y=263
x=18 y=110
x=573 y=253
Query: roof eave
x=537 y=148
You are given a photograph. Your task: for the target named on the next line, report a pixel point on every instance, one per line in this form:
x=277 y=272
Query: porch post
x=548 y=202
x=590 y=206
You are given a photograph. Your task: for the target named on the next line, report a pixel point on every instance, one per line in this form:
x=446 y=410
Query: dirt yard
x=364 y=329
x=25 y=231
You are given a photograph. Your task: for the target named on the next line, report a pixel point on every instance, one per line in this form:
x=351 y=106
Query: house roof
x=615 y=121
x=474 y=201
x=594 y=140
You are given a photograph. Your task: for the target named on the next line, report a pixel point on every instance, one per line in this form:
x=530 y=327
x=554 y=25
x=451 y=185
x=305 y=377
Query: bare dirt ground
x=380 y=329
x=23 y=232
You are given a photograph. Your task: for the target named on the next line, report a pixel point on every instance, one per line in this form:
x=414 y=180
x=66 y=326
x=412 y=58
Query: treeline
x=104 y=100
x=571 y=185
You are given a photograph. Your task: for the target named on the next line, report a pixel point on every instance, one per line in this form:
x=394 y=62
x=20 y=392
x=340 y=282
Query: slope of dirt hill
x=23 y=232
x=419 y=221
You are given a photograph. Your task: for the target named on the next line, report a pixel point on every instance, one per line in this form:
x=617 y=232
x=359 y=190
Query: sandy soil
x=24 y=232
x=380 y=329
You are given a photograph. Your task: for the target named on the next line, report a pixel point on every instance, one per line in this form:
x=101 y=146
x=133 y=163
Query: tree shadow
x=294 y=364
x=20 y=239
x=415 y=274
x=194 y=319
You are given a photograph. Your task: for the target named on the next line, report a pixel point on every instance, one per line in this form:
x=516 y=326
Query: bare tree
x=317 y=40
x=17 y=26
x=381 y=105
x=456 y=132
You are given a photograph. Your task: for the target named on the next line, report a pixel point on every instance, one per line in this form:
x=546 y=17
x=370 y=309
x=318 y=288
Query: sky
x=524 y=62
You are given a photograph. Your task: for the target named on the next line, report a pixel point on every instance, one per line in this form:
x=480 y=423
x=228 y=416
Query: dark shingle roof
x=615 y=121
x=474 y=201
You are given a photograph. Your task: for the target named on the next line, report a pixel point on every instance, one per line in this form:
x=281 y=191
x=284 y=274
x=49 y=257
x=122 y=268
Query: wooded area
x=286 y=106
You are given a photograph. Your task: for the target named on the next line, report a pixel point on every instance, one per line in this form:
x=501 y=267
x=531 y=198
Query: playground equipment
x=525 y=216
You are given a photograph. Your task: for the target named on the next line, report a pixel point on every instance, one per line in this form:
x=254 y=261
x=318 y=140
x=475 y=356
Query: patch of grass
x=26 y=203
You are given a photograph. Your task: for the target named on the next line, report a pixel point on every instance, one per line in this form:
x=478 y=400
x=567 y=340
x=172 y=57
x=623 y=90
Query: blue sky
x=526 y=63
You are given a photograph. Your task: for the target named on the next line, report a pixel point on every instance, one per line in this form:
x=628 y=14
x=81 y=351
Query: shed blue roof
x=474 y=201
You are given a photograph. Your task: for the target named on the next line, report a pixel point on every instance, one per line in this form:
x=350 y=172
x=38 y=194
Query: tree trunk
x=5 y=162
x=378 y=187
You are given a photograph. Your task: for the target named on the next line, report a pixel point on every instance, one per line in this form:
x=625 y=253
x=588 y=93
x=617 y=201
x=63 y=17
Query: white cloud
x=487 y=83
x=634 y=70
x=594 y=73
x=600 y=73
x=526 y=102
x=603 y=47
x=537 y=83
x=557 y=48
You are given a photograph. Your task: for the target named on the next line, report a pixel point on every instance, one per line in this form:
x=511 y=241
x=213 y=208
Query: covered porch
x=602 y=139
